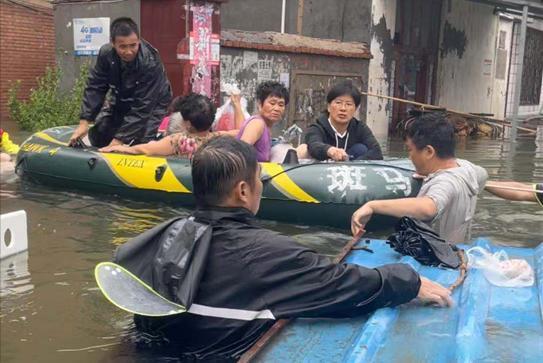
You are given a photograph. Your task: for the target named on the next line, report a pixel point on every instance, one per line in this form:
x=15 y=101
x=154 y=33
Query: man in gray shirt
x=449 y=192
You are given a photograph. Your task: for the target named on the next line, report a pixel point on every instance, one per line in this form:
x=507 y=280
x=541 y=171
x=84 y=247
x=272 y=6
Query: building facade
x=460 y=54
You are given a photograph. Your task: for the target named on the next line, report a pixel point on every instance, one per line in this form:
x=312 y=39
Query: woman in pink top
x=272 y=99
x=175 y=106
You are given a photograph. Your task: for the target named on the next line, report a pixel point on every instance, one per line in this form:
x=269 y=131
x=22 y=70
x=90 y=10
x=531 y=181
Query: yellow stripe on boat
x=283 y=183
x=139 y=171
x=44 y=136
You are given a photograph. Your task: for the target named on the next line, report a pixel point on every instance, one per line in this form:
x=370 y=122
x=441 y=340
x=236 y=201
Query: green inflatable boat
x=319 y=193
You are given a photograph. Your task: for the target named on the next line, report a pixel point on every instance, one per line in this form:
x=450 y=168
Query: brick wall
x=28 y=46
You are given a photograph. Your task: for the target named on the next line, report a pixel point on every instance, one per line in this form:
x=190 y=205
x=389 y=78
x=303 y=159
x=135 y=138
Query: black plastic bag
x=415 y=239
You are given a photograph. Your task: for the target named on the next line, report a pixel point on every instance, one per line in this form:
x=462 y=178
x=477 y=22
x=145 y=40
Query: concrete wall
x=64 y=13
x=346 y=20
x=381 y=67
x=258 y=15
x=466 y=63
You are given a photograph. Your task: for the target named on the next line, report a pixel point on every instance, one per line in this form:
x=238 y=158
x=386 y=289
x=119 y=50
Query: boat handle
x=159 y=172
x=18 y=167
x=92 y=163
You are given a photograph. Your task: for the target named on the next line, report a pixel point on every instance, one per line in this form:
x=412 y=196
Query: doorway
x=416 y=46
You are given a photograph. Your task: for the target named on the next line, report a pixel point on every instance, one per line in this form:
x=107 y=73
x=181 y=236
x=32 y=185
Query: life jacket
x=6 y=145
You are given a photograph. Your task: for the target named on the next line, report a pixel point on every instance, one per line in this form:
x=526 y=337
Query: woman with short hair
x=337 y=134
x=272 y=99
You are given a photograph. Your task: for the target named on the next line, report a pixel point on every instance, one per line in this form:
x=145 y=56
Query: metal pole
x=520 y=66
x=283 y=14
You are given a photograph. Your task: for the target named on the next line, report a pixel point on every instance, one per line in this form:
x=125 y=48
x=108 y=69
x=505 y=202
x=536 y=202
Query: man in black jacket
x=131 y=69
x=254 y=276
x=338 y=135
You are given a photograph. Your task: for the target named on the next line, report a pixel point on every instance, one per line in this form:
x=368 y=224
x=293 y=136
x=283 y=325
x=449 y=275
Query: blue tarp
x=487 y=324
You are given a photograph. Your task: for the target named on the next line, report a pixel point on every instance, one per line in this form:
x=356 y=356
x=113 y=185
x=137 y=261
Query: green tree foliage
x=47 y=106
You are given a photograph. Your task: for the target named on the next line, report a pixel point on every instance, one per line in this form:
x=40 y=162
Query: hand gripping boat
x=487 y=323
x=315 y=193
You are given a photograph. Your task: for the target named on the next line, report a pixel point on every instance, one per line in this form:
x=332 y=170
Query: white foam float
x=13 y=233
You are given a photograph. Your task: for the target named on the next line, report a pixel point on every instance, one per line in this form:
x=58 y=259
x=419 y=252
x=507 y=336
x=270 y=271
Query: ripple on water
x=15 y=285
x=14 y=275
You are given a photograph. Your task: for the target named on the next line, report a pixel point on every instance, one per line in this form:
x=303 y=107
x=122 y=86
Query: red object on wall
x=163 y=24
x=27 y=40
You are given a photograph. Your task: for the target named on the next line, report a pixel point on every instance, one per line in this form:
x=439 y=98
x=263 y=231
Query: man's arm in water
x=522 y=192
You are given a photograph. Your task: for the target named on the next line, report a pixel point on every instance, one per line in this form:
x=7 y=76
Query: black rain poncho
x=139 y=96
x=251 y=277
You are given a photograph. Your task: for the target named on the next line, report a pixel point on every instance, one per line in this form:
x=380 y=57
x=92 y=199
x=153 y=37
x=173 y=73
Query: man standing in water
x=253 y=276
x=131 y=69
x=449 y=192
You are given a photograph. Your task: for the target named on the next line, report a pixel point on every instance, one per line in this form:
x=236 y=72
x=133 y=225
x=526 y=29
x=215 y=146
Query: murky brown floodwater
x=51 y=309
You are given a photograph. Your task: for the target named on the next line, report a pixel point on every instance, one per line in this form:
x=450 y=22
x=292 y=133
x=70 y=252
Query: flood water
x=51 y=309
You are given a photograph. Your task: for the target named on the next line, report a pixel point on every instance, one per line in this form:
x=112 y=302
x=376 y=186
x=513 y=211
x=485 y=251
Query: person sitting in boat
x=254 y=276
x=516 y=191
x=272 y=98
x=7 y=149
x=338 y=135
x=448 y=195
x=131 y=70
x=167 y=125
x=197 y=113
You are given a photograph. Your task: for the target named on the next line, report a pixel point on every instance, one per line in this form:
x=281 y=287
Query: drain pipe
x=518 y=77
x=283 y=12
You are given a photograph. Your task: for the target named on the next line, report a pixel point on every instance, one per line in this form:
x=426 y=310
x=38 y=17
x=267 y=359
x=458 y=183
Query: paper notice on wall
x=249 y=58
x=284 y=78
x=264 y=70
x=89 y=35
x=215 y=49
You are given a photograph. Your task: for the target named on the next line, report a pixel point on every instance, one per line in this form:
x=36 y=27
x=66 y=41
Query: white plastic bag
x=499 y=270
x=225 y=117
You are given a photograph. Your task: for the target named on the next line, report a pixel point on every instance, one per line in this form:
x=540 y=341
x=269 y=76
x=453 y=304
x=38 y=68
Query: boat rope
x=463 y=271
x=268 y=178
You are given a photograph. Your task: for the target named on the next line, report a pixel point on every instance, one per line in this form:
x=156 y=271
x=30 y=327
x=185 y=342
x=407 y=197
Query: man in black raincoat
x=244 y=277
x=131 y=70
